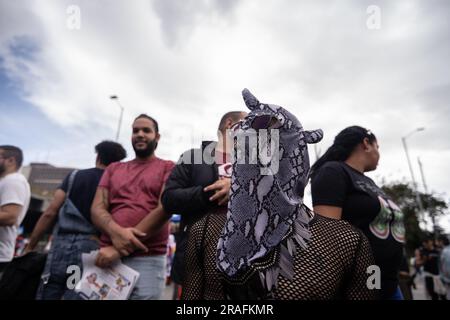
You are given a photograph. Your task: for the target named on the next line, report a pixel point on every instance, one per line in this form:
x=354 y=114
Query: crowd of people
x=245 y=232
x=432 y=262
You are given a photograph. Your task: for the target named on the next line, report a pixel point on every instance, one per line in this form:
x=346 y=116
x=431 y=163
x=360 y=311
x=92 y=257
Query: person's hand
x=221 y=190
x=126 y=241
x=106 y=256
x=27 y=250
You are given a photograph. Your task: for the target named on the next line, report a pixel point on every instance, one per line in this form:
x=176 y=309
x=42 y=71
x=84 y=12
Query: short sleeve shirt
x=367 y=207
x=83 y=189
x=134 y=189
x=14 y=189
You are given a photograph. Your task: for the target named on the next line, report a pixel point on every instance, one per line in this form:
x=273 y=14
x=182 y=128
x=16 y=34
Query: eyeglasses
x=266 y=121
x=261 y=122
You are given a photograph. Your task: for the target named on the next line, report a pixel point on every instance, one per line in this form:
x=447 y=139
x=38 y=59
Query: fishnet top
x=332 y=267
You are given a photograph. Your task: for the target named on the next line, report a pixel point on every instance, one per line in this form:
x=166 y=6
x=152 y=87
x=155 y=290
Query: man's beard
x=2 y=169
x=148 y=151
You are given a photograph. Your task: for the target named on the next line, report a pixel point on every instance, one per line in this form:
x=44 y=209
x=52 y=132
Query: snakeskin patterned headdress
x=266 y=219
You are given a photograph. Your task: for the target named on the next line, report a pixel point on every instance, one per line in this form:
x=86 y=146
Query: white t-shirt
x=14 y=189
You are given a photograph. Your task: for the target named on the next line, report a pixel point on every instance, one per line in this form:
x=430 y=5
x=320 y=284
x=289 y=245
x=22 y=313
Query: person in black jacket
x=199 y=184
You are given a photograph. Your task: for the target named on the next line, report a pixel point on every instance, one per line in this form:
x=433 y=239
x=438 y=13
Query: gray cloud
x=179 y=19
x=185 y=62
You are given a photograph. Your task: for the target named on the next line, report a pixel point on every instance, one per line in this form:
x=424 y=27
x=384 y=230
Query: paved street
x=168 y=292
x=418 y=293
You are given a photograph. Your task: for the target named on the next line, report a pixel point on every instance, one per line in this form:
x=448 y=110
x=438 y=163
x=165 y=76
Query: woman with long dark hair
x=341 y=190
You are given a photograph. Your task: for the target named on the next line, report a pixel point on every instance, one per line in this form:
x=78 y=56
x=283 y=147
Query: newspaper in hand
x=113 y=283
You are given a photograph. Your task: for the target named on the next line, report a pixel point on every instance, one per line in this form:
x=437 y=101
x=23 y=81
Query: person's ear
x=157 y=137
x=228 y=123
x=366 y=144
x=10 y=162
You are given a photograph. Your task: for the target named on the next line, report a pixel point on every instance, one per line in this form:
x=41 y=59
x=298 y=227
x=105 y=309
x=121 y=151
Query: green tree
x=403 y=195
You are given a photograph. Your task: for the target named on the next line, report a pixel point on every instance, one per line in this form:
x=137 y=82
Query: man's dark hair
x=155 y=123
x=444 y=240
x=233 y=115
x=109 y=152
x=13 y=152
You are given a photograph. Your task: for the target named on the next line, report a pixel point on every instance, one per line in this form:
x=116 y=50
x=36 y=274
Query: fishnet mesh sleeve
x=202 y=281
x=357 y=288
x=193 y=284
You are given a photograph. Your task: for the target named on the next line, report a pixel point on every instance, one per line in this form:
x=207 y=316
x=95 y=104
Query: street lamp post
x=121 y=115
x=431 y=212
x=418 y=200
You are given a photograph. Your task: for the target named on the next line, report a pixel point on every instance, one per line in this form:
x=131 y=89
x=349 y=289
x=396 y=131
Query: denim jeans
x=152 y=276
x=66 y=250
x=397 y=295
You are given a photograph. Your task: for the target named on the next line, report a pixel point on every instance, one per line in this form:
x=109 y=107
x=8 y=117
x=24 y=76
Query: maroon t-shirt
x=134 y=189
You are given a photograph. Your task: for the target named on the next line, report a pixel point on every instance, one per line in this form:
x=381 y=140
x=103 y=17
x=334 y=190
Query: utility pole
x=405 y=146
x=431 y=211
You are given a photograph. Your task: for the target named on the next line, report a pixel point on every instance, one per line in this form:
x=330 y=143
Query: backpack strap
x=69 y=189
x=71 y=179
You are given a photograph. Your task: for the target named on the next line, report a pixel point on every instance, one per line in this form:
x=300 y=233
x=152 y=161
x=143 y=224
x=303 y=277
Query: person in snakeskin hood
x=265 y=206
x=269 y=245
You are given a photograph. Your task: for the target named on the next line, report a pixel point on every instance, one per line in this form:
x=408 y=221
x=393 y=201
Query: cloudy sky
x=332 y=63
